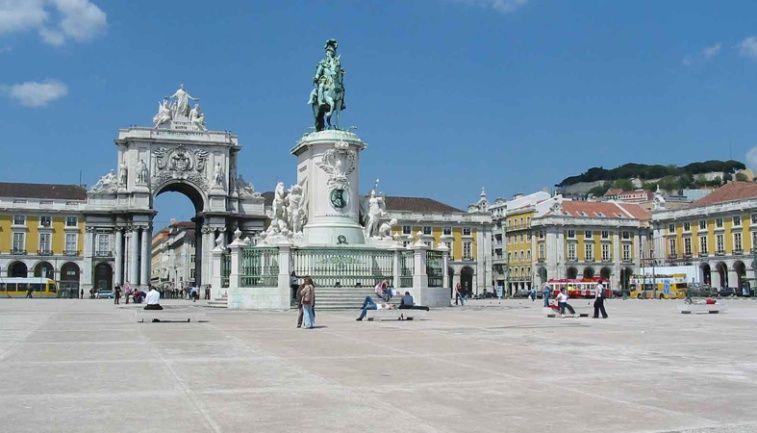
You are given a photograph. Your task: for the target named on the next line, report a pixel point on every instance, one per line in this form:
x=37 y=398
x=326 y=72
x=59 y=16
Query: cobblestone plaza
x=88 y=366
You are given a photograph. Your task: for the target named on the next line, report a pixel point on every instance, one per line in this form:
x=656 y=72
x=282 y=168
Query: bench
x=697 y=308
x=168 y=314
x=396 y=314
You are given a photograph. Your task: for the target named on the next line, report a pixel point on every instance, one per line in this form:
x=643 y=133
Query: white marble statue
x=143 y=173
x=376 y=210
x=385 y=230
x=197 y=118
x=245 y=189
x=279 y=222
x=220 y=177
x=181 y=102
x=163 y=116
x=295 y=209
x=124 y=174
x=107 y=183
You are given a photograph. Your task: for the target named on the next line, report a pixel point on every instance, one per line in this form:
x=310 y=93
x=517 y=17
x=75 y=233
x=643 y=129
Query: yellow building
x=466 y=234
x=42 y=232
x=518 y=236
x=717 y=233
x=584 y=239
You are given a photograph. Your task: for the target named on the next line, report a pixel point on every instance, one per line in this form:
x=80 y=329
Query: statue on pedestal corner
x=181 y=100
x=327 y=97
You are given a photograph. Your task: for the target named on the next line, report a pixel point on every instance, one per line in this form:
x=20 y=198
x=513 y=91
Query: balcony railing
x=738 y=252
x=71 y=253
x=44 y=252
x=104 y=253
x=17 y=252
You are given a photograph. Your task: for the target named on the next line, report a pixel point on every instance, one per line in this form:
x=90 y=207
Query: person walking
x=599 y=301
x=117 y=294
x=29 y=292
x=127 y=292
x=545 y=294
x=81 y=294
x=532 y=294
x=458 y=295
x=308 y=300
x=562 y=302
x=294 y=287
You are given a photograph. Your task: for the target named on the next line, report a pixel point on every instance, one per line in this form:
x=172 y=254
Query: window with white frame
x=448 y=231
x=466 y=250
x=571 y=234
x=44 y=242
x=45 y=221
x=703 y=245
x=103 y=243
x=406 y=230
x=541 y=234
x=687 y=226
x=571 y=251
x=671 y=228
x=702 y=225
x=541 y=251
x=588 y=234
x=626 y=252
x=19 y=241
x=466 y=231
x=71 y=242
x=672 y=246
x=605 y=252
x=426 y=230
x=605 y=234
x=737 y=241
x=72 y=221
x=626 y=235
x=754 y=218
x=687 y=246
x=719 y=243
x=719 y=222
x=737 y=221
x=19 y=220
x=589 y=251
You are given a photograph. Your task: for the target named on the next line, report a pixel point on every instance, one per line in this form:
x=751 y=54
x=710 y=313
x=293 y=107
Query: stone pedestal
x=328 y=171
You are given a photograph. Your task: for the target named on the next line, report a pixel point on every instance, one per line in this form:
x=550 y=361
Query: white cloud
x=18 y=15
x=502 y=6
x=36 y=94
x=704 y=55
x=751 y=158
x=748 y=48
x=79 y=20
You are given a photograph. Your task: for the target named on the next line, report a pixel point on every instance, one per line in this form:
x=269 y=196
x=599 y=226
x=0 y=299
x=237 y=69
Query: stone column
x=118 y=257
x=208 y=242
x=285 y=263
x=144 y=265
x=396 y=269
x=235 y=248
x=445 y=265
x=134 y=257
x=637 y=250
x=216 y=291
x=86 y=274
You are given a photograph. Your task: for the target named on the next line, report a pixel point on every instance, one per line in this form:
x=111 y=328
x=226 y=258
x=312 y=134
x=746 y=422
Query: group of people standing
x=562 y=300
x=137 y=295
x=304 y=295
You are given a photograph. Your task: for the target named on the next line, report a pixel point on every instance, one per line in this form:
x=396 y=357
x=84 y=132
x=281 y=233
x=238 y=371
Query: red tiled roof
x=42 y=190
x=417 y=204
x=604 y=209
x=613 y=191
x=732 y=191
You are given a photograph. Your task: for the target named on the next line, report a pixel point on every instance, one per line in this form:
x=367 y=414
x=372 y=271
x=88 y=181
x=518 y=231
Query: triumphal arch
x=177 y=153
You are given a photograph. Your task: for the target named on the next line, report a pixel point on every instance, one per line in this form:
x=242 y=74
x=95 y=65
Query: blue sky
x=450 y=95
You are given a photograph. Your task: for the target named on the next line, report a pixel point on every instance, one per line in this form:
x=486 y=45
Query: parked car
x=104 y=294
x=726 y=291
x=521 y=293
x=746 y=291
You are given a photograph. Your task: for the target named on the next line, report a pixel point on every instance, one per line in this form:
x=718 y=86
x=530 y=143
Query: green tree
x=649 y=186
x=741 y=177
x=668 y=183
x=600 y=190
x=624 y=184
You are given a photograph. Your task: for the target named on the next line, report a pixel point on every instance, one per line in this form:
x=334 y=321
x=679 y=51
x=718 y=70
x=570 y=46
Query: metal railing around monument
x=345 y=267
x=434 y=268
x=259 y=267
x=407 y=266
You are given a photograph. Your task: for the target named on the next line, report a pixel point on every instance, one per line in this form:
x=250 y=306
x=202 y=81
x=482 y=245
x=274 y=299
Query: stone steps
x=221 y=302
x=341 y=298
